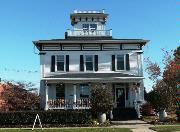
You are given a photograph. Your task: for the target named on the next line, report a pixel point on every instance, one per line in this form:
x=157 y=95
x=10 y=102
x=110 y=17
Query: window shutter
x=81 y=63
x=113 y=63
x=113 y=90
x=127 y=91
x=67 y=63
x=96 y=62
x=127 y=62
x=52 y=63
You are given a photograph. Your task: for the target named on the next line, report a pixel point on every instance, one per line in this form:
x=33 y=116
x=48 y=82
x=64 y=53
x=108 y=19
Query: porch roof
x=113 y=77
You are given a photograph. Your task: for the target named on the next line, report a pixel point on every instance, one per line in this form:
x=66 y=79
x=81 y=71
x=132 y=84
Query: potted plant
x=101 y=100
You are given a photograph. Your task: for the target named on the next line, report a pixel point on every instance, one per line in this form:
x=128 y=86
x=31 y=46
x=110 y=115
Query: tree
x=156 y=97
x=20 y=96
x=165 y=80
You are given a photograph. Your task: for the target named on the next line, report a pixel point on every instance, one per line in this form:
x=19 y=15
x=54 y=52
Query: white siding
x=104 y=60
x=74 y=61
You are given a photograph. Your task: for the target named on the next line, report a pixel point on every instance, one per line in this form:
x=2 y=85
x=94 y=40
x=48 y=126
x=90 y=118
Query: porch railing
x=69 y=104
x=137 y=105
x=89 y=32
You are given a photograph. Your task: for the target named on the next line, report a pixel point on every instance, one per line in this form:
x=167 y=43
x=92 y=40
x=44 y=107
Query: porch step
x=120 y=114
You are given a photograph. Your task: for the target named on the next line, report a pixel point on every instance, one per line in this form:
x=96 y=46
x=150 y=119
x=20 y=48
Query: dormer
x=89 y=24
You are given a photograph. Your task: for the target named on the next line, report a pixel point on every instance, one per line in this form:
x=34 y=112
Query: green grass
x=70 y=130
x=166 y=128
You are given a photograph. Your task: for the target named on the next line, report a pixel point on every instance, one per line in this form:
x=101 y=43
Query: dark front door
x=120 y=97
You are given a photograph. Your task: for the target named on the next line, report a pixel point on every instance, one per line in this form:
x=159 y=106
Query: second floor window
x=120 y=62
x=89 y=62
x=60 y=63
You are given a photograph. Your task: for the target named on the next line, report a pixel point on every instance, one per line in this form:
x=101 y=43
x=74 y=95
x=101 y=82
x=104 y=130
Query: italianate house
x=89 y=54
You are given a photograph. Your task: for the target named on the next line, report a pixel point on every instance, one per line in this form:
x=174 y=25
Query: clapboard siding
x=104 y=60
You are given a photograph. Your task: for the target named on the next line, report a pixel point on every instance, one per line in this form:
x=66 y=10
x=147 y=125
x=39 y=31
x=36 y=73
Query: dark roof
x=91 y=40
x=91 y=75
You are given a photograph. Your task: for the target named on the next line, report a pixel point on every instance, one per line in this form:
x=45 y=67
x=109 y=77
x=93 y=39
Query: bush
x=147 y=109
x=47 y=117
x=101 y=98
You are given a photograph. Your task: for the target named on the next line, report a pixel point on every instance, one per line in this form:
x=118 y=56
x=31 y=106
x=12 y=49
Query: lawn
x=166 y=128
x=70 y=130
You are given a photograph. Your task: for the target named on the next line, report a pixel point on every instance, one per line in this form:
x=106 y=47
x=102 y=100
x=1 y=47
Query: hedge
x=47 y=117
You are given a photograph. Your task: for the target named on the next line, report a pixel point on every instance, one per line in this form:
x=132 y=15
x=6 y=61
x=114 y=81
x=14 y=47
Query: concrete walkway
x=134 y=125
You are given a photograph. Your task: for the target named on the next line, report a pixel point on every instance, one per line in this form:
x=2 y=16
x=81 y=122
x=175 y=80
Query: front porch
x=60 y=95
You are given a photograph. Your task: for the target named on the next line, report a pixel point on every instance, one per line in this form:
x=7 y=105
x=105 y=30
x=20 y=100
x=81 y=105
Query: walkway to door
x=135 y=125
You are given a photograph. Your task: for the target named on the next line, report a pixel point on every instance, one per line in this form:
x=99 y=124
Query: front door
x=120 y=97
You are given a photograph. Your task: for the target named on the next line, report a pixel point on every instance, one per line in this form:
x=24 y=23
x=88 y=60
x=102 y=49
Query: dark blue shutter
x=67 y=63
x=96 y=62
x=52 y=63
x=81 y=63
x=113 y=63
x=127 y=62
x=127 y=91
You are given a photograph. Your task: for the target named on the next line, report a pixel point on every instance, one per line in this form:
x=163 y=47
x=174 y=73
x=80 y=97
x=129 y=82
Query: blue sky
x=22 y=21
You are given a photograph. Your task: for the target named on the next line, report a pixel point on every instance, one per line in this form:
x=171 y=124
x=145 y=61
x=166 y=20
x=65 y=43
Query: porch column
x=74 y=95
x=46 y=96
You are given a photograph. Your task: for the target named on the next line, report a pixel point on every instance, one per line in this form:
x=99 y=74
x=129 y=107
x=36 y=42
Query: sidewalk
x=134 y=125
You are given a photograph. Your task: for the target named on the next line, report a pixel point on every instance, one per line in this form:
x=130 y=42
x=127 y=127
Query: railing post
x=74 y=96
x=110 y=32
x=46 y=95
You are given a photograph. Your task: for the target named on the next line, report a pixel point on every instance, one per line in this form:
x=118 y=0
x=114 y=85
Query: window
x=60 y=63
x=93 y=26
x=89 y=26
x=60 y=91
x=89 y=62
x=120 y=62
x=84 y=90
x=85 y=26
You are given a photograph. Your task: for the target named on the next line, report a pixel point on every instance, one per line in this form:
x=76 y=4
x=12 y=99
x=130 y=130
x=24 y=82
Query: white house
x=89 y=54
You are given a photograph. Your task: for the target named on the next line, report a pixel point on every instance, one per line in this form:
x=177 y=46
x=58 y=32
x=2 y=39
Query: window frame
x=58 y=61
x=89 y=26
x=92 y=64
x=85 y=29
x=81 y=90
x=92 y=29
x=124 y=62
x=60 y=86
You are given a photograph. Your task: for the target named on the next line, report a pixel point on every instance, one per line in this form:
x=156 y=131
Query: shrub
x=47 y=117
x=101 y=98
x=147 y=109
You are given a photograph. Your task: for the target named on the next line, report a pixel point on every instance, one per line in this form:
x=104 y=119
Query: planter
x=102 y=117
x=162 y=115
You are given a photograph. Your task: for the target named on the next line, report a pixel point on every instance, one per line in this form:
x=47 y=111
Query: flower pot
x=102 y=117
x=162 y=115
